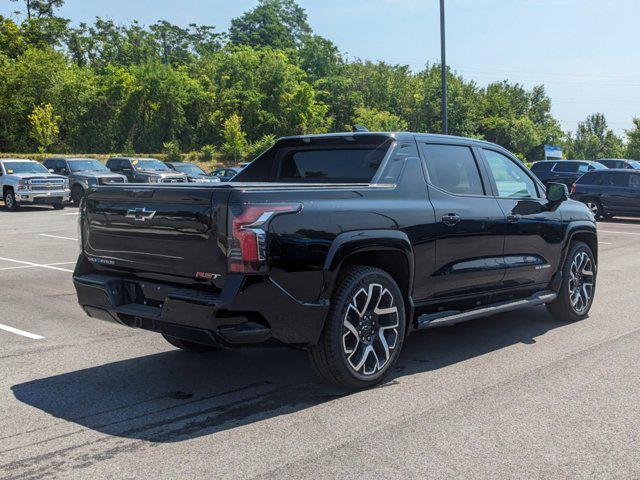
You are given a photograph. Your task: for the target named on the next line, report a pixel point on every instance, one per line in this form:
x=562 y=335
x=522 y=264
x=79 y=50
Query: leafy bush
x=259 y=146
x=172 y=151
x=207 y=153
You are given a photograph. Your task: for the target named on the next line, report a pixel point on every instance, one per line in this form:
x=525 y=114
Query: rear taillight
x=247 y=234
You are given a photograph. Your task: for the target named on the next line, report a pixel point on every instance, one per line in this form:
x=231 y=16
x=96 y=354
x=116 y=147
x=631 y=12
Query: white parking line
x=605 y=243
x=57 y=236
x=618 y=233
x=35 y=266
x=20 y=332
x=50 y=267
x=71 y=213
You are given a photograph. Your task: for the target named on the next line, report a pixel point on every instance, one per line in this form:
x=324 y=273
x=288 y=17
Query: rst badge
x=140 y=214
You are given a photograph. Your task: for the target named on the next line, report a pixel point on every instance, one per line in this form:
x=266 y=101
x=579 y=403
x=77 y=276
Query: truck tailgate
x=167 y=230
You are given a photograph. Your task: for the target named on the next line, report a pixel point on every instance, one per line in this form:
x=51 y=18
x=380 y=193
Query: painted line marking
x=34 y=266
x=605 y=243
x=50 y=267
x=70 y=213
x=17 y=331
x=57 y=236
x=619 y=233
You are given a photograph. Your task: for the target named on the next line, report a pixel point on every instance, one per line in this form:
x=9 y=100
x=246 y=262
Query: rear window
x=540 y=167
x=354 y=165
x=330 y=160
x=568 y=167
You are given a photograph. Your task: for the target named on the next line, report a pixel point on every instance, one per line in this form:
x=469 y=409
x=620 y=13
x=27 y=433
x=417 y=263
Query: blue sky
x=584 y=51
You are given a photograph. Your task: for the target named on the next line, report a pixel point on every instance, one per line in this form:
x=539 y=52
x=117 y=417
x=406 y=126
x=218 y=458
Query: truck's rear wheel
x=10 y=200
x=578 y=284
x=364 y=330
x=77 y=192
x=189 y=346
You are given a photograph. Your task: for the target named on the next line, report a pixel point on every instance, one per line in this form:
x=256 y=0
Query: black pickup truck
x=342 y=244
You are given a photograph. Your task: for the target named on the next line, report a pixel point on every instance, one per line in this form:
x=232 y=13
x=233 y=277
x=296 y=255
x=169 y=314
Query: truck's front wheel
x=364 y=330
x=10 y=200
x=189 y=346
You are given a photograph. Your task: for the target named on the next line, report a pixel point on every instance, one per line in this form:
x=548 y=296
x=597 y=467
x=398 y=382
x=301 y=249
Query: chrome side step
x=443 y=319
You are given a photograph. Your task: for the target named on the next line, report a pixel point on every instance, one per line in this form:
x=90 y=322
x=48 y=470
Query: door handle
x=513 y=218
x=450 y=219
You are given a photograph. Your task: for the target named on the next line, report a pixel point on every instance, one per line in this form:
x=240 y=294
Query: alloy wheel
x=9 y=201
x=593 y=207
x=581 y=282
x=370 y=329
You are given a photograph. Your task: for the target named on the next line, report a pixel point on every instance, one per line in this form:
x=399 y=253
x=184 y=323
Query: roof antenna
x=359 y=128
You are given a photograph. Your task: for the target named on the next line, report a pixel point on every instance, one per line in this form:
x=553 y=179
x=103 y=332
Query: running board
x=443 y=319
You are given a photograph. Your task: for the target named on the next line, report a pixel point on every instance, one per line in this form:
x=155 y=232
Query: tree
x=273 y=23
x=44 y=126
x=633 y=140
x=234 y=145
x=594 y=140
x=40 y=8
x=378 y=120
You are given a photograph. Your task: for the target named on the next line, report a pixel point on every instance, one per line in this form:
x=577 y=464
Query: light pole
x=443 y=68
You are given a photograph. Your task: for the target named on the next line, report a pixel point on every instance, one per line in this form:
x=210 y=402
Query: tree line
x=105 y=87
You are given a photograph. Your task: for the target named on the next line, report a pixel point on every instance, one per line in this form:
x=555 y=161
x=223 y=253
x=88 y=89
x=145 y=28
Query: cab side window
x=634 y=181
x=510 y=179
x=453 y=168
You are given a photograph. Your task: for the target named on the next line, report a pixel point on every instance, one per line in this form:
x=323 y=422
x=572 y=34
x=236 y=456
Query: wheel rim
x=581 y=282
x=8 y=201
x=593 y=207
x=370 y=329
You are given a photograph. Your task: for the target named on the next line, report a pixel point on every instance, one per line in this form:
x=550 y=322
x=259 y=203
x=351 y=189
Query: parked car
x=193 y=172
x=144 y=170
x=82 y=174
x=26 y=182
x=564 y=171
x=226 y=174
x=620 y=163
x=376 y=236
x=609 y=192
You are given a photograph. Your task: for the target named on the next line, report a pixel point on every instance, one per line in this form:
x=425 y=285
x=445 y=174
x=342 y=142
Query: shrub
x=207 y=153
x=172 y=151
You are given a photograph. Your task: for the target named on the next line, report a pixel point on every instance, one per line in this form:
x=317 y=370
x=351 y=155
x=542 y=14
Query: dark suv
x=145 y=170
x=620 y=163
x=341 y=244
x=609 y=192
x=82 y=174
x=564 y=171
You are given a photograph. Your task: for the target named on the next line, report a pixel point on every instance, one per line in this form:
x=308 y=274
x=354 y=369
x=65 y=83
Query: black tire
x=58 y=206
x=595 y=206
x=340 y=347
x=77 y=192
x=564 y=308
x=10 y=202
x=189 y=346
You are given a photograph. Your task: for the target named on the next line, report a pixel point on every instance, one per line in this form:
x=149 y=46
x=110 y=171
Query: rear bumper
x=248 y=310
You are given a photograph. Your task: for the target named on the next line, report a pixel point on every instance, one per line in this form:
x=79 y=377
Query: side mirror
x=557 y=193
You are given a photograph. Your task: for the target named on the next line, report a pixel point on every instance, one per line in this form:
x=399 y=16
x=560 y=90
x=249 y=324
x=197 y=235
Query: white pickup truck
x=26 y=182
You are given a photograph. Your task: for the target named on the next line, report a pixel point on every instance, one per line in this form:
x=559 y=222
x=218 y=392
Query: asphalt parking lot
x=518 y=395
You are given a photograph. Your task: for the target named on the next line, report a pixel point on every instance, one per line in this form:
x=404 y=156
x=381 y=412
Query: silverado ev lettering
x=342 y=244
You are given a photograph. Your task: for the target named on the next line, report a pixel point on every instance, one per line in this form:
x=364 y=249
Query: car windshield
x=189 y=169
x=634 y=164
x=24 y=167
x=598 y=166
x=87 y=165
x=152 y=164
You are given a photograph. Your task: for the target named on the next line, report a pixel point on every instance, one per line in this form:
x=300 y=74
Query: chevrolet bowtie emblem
x=140 y=214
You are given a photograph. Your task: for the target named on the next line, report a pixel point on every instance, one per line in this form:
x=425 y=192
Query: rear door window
x=453 y=168
x=541 y=167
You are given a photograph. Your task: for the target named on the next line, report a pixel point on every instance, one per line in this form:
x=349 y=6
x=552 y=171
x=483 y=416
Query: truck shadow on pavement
x=175 y=396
